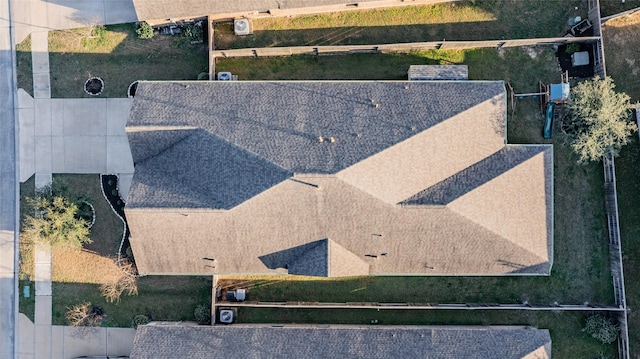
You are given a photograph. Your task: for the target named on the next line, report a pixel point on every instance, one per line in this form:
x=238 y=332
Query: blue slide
x=549 y=120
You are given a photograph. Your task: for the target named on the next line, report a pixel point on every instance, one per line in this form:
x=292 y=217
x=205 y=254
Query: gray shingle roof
x=198 y=170
x=164 y=9
x=474 y=176
x=261 y=341
x=438 y=72
x=244 y=159
x=283 y=121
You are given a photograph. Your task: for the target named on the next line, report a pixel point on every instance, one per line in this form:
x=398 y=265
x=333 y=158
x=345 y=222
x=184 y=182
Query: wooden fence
x=389 y=48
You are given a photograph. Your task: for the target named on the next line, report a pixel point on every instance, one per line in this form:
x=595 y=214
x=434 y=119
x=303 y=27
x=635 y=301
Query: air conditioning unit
x=226 y=316
x=225 y=76
x=242 y=27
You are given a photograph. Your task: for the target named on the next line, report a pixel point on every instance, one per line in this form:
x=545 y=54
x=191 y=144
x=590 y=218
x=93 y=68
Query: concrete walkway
x=72 y=342
x=42 y=332
x=43 y=15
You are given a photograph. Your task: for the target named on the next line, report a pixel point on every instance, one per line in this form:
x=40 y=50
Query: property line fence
x=615 y=251
x=397 y=47
x=598 y=54
x=611 y=200
x=624 y=13
x=420 y=306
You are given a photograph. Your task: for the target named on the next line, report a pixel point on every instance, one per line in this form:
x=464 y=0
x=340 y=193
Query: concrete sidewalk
x=43 y=15
x=72 y=342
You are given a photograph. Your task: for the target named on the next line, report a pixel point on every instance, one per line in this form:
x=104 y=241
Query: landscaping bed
x=469 y=20
x=116 y=55
x=568 y=340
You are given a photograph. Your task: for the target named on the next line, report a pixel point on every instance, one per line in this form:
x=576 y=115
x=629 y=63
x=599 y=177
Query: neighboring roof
x=335 y=341
x=421 y=184
x=164 y=9
x=438 y=72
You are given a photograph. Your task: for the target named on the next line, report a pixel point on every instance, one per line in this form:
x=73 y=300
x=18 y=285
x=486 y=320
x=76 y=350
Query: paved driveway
x=39 y=15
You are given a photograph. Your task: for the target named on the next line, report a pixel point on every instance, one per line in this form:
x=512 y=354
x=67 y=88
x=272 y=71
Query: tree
x=602 y=329
x=144 y=30
x=55 y=221
x=598 y=119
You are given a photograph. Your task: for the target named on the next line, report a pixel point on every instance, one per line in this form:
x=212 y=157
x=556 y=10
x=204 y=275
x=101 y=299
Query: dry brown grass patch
x=83 y=267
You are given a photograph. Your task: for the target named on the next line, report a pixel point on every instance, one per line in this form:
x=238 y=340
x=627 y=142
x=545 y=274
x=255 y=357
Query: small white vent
x=226 y=316
x=242 y=27
x=224 y=76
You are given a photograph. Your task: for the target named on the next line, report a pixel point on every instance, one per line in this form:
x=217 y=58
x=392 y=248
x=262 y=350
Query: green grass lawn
x=581 y=268
x=117 y=56
x=568 y=340
x=159 y=297
x=23 y=65
x=621 y=43
x=27 y=260
x=610 y=7
x=471 y=20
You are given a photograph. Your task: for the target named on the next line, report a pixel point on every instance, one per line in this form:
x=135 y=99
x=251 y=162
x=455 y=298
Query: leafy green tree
x=598 y=119
x=55 y=221
x=144 y=30
x=602 y=328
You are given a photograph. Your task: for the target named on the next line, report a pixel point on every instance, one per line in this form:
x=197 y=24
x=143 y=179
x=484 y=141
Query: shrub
x=602 y=329
x=202 y=313
x=85 y=315
x=194 y=32
x=140 y=319
x=573 y=47
x=126 y=282
x=144 y=30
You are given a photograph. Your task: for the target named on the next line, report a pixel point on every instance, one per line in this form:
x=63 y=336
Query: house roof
x=438 y=72
x=164 y=9
x=335 y=341
x=423 y=183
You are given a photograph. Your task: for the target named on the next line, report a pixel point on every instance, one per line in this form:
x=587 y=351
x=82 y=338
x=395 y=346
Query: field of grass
x=581 y=269
x=568 y=341
x=23 y=65
x=621 y=43
x=27 y=306
x=117 y=56
x=610 y=7
x=471 y=20
x=159 y=297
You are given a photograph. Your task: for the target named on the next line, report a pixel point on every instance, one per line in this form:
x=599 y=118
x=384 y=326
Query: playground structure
x=551 y=97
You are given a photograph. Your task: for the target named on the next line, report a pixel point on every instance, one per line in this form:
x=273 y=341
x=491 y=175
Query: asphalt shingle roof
x=164 y=9
x=261 y=341
x=409 y=178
